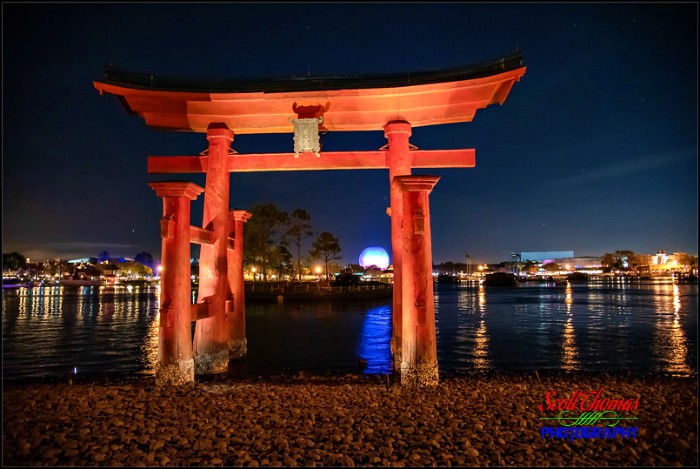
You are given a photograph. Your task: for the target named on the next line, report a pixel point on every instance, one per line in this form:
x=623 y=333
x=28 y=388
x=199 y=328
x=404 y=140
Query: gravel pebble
x=307 y=420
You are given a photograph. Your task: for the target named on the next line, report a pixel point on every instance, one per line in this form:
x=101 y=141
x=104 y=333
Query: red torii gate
x=392 y=103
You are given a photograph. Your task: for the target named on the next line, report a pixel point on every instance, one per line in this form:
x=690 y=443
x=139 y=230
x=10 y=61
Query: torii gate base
x=419 y=365
x=235 y=322
x=175 y=361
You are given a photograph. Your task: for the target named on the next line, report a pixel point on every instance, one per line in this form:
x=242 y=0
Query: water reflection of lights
x=150 y=344
x=671 y=345
x=676 y=299
x=22 y=306
x=464 y=301
x=481 y=347
x=481 y=337
x=51 y=329
x=570 y=360
x=482 y=298
x=375 y=338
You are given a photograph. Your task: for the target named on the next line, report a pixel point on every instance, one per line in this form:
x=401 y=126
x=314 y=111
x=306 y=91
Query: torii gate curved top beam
x=359 y=103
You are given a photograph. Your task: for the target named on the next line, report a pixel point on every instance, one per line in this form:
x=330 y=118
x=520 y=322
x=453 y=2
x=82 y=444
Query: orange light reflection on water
x=570 y=359
x=670 y=341
x=481 y=337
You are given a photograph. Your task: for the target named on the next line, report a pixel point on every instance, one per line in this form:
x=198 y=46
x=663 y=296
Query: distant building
x=585 y=262
x=545 y=257
x=660 y=258
x=84 y=260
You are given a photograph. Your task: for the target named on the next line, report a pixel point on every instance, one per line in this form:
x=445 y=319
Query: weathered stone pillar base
x=395 y=355
x=421 y=375
x=211 y=363
x=237 y=349
x=175 y=374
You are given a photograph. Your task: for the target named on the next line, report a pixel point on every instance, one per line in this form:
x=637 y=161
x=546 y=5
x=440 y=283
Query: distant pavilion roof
x=347 y=103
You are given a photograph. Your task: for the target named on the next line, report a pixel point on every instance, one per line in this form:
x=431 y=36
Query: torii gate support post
x=210 y=340
x=419 y=365
x=175 y=364
x=399 y=161
x=235 y=321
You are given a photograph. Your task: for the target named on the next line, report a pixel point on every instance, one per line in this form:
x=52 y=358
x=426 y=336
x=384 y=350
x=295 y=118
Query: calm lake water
x=614 y=325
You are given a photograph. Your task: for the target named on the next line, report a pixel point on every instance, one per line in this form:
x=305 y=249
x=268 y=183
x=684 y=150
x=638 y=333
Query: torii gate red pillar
x=210 y=339
x=175 y=360
x=419 y=365
x=399 y=161
x=235 y=321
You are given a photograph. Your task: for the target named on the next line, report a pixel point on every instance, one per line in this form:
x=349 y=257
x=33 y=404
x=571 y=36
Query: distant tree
x=356 y=268
x=299 y=229
x=264 y=233
x=55 y=267
x=510 y=266
x=280 y=260
x=644 y=259
x=144 y=258
x=635 y=260
x=447 y=268
x=373 y=270
x=686 y=260
x=608 y=260
x=530 y=267
x=334 y=267
x=135 y=268
x=103 y=256
x=619 y=260
x=551 y=267
x=326 y=247
x=13 y=261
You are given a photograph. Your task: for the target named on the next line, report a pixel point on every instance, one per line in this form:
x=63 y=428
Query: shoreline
x=480 y=418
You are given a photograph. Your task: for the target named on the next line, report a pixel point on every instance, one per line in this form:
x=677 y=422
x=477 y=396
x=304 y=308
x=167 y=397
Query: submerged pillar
x=210 y=339
x=175 y=360
x=419 y=365
x=399 y=161
x=235 y=320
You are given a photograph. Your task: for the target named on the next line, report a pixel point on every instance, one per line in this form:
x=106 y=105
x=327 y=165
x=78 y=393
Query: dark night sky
x=594 y=150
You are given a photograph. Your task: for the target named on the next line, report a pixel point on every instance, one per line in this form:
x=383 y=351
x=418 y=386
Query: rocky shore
x=352 y=420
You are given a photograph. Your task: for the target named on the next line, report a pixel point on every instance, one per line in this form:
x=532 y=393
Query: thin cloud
x=622 y=168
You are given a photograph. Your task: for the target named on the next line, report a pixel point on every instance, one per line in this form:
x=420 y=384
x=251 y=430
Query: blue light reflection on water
x=641 y=327
x=375 y=341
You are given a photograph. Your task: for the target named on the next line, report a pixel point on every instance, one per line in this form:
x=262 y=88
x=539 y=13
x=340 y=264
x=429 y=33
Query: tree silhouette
x=299 y=230
x=13 y=261
x=263 y=233
x=144 y=258
x=325 y=247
